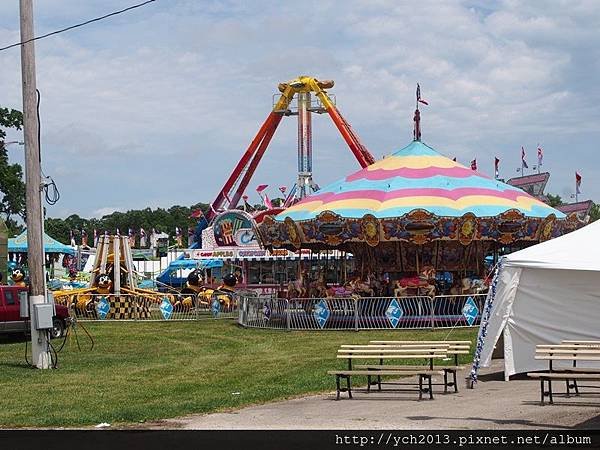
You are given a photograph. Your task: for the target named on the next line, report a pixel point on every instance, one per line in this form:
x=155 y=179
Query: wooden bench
x=454 y=348
x=565 y=352
x=361 y=353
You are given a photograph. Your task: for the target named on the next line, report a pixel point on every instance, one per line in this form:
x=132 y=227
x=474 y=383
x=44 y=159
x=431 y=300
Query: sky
x=154 y=107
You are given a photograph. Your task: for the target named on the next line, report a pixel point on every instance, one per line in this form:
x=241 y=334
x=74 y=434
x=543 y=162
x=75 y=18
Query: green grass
x=147 y=371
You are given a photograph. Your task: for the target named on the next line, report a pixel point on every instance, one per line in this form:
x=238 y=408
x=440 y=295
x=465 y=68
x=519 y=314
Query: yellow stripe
x=462 y=203
x=413 y=162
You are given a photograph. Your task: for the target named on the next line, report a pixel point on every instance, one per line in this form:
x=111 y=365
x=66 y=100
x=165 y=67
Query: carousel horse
x=318 y=287
x=296 y=288
x=361 y=288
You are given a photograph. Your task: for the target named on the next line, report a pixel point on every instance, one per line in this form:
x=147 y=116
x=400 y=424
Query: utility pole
x=40 y=345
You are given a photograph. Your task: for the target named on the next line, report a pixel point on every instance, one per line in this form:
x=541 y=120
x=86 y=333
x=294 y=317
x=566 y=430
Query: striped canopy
x=417 y=177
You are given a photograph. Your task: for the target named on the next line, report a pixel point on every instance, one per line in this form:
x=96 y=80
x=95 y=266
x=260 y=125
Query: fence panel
x=390 y=313
x=455 y=310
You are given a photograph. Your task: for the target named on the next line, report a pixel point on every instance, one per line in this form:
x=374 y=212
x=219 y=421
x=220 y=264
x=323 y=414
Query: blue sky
x=155 y=107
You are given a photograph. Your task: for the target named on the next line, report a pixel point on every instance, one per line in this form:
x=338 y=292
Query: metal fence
x=88 y=307
x=364 y=313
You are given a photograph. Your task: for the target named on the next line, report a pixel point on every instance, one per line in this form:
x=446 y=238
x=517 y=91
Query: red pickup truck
x=10 y=317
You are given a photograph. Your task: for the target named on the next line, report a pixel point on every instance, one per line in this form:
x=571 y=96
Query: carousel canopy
x=417 y=177
x=51 y=245
x=415 y=195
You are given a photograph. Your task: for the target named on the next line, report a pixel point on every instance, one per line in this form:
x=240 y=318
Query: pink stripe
x=383 y=174
x=451 y=194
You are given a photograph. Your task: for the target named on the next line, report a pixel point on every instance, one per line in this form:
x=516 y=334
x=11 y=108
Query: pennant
x=474 y=164
x=523 y=158
x=282 y=189
x=84 y=238
x=72 y=236
x=267 y=202
x=118 y=232
x=261 y=187
x=496 y=164
x=419 y=99
x=95 y=237
x=454 y=159
x=142 y=237
x=196 y=214
x=577 y=183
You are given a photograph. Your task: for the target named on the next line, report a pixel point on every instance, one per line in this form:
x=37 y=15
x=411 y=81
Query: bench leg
x=430 y=388
x=455 y=383
x=349 y=387
x=368 y=383
x=550 y=390
x=576 y=387
x=568 y=388
x=420 y=387
x=379 y=382
x=337 y=387
x=542 y=395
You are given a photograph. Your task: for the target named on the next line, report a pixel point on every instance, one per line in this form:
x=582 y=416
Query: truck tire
x=58 y=329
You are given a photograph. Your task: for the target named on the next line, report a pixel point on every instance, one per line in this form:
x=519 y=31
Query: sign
x=470 y=311
x=321 y=313
x=245 y=237
x=215 y=307
x=394 y=313
x=102 y=307
x=166 y=308
x=230 y=225
x=266 y=312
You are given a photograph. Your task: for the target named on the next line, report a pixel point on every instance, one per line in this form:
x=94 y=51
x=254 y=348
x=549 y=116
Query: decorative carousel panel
x=292 y=232
x=370 y=230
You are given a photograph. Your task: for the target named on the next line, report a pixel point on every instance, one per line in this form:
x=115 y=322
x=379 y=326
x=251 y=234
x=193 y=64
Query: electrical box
x=43 y=313
x=23 y=304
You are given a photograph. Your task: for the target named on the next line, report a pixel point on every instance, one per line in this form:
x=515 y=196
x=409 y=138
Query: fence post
x=432 y=300
x=288 y=314
x=356 y=300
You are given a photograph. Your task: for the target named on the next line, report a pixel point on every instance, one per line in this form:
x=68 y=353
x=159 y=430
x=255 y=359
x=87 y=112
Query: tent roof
x=417 y=177
x=51 y=245
x=573 y=251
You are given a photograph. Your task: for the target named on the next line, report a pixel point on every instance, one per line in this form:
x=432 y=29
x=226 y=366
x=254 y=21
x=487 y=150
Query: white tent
x=543 y=294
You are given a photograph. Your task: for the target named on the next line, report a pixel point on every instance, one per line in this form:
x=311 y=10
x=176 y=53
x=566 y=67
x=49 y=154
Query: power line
x=78 y=25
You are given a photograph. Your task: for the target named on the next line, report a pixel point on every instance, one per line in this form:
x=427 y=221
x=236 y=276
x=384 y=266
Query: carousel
x=417 y=223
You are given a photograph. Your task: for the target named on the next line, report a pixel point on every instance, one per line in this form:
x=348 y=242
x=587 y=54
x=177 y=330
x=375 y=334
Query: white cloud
x=161 y=103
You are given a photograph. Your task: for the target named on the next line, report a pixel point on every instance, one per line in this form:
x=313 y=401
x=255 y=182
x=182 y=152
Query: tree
x=595 y=212
x=12 y=186
x=554 y=200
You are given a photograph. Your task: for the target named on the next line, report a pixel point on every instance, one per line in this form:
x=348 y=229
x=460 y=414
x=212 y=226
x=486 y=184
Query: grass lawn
x=147 y=371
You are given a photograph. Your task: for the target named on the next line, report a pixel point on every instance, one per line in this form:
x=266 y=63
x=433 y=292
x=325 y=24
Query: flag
x=282 y=189
x=95 y=238
x=523 y=162
x=454 y=159
x=72 y=237
x=540 y=155
x=118 y=232
x=577 y=183
x=142 y=237
x=178 y=236
x=474 y=164
x=267 y=202
x=83 y=237
x=496 y=164
x=261 y=187
x=196 y=214
x=419 y=99
x=190 y=236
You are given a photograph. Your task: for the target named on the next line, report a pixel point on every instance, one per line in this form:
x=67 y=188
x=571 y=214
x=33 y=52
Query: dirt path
x=493 y=404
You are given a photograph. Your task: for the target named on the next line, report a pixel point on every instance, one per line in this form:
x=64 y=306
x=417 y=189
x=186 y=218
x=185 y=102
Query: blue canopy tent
x=51 y=245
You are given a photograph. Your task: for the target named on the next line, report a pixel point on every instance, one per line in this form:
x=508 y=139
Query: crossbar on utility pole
x=40 y=345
